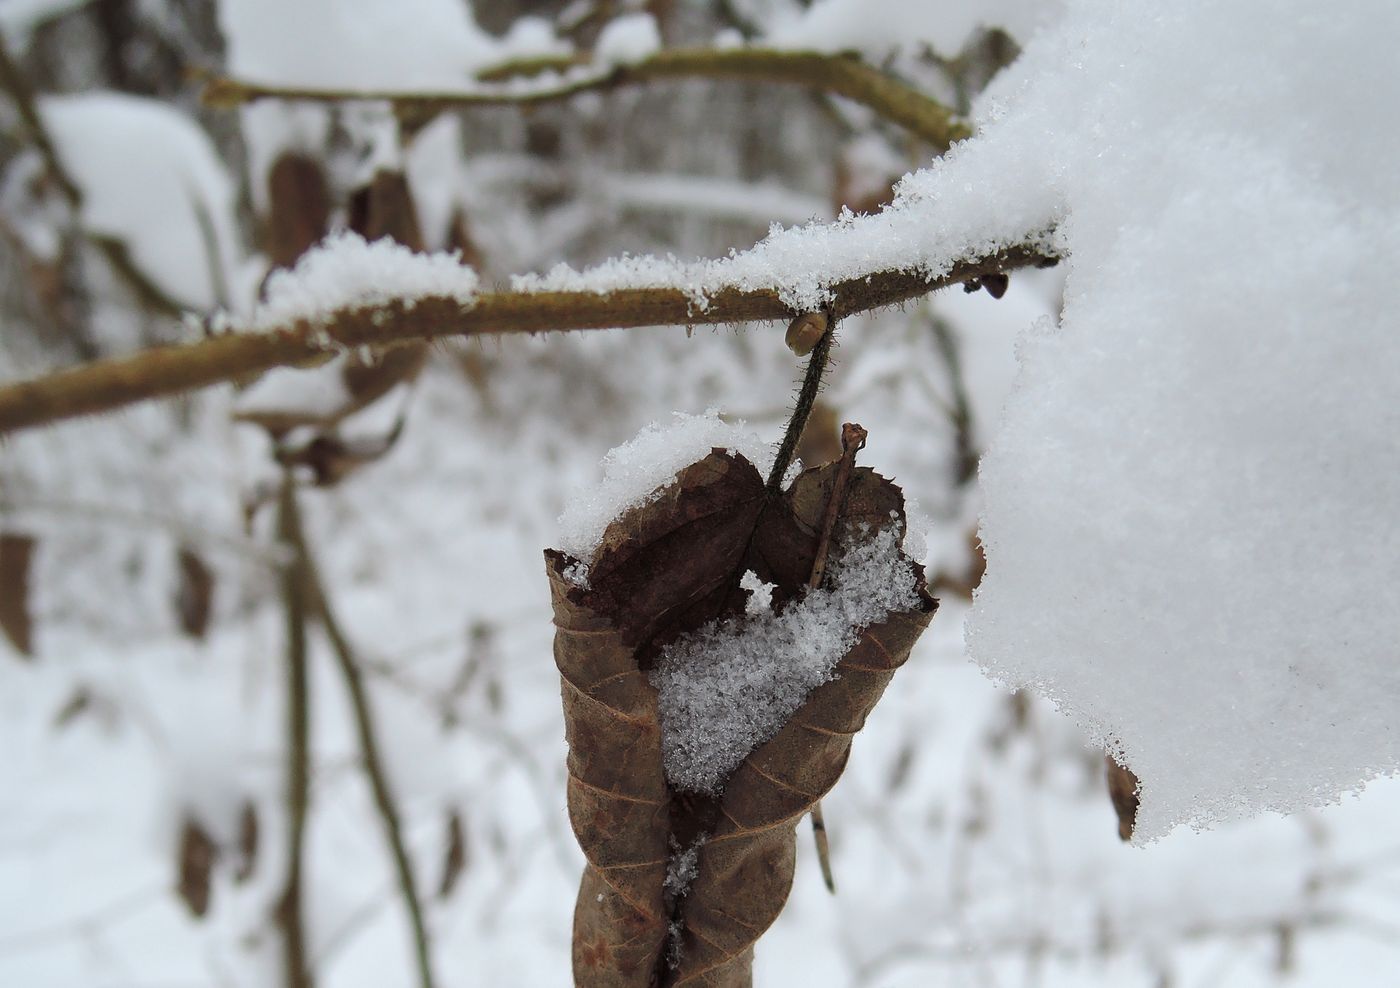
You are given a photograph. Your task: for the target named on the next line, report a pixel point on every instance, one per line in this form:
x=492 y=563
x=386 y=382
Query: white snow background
x=1191 y=504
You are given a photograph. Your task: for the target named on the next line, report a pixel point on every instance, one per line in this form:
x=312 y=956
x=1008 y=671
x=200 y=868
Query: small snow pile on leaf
x=635 y=472
x=728 y=687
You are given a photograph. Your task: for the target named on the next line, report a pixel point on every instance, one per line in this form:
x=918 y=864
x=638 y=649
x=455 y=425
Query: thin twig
x=294 y=595
x=960 y=411
x=17 y=87
x=802 y=408
x=163 y=371
x=843 y=75
x=373 y=761
x=852 y=442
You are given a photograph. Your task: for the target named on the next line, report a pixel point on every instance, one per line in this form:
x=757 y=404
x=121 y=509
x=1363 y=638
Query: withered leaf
x=299 y=207
x=247 y=842
x=16 y=555
x=1123 y=791
x=194 y=598
x=454 y=859
x=662 y=571
x=198 y=854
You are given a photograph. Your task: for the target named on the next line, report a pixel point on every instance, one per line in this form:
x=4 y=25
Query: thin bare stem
x=842 y=75
x=852 y=442
x=294 y=596
x=802 y=408
x=373 y=761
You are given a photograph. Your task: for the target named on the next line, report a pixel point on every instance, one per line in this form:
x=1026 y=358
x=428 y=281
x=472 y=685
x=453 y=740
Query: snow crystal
x=345 y=270
x=1191 y=512
x=730 y=686
x=760 y=594
x=627 y=40
x=635 y=472
x=683 y=867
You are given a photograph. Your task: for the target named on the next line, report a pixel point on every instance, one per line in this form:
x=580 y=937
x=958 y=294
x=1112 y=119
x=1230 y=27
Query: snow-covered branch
x=312 y=337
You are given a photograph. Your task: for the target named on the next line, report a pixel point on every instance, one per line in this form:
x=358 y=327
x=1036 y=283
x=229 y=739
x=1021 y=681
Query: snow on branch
x=306 y=339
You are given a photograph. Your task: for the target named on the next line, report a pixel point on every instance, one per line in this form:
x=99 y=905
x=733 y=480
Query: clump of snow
x=345 y=270
x=730 y=686
x=308 y=393
x=931 y=225
x=627 y=40
x=683 y=867
x=760 y=594
x=635 y=472
x=1191 y=505
x=877 y=28
x=400 y=44
x=531 y=37
x=151 y=179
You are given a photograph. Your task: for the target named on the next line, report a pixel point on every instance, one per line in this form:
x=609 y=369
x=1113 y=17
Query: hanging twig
x=852 y=441
x=294 y=596
x=369 y=751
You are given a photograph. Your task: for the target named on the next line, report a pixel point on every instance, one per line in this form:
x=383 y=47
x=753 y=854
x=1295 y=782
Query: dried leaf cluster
x=661 y=571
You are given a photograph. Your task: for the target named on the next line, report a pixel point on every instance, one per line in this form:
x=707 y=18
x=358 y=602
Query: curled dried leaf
x=662 y=571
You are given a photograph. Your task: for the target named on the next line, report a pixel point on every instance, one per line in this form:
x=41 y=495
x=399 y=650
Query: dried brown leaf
x=618 y=800
x=1123 y=791
x=194 y=598
x=247 y=842
x=746 y=866
x=384 y=208
x=16 y=556
x=198 y=854
x=662 y=571
x=299 y=207
x=454 y=858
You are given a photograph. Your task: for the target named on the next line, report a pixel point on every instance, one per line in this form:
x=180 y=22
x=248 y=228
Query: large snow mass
x=1192 y=508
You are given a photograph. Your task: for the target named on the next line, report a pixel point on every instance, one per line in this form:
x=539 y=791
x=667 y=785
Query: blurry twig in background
x=289 y=915
x=842 y=75
x=373 y=763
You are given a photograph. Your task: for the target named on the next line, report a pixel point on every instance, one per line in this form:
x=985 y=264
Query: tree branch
x=294 y=594
x=842 y=75
x=369 y=752
x=163 y=371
